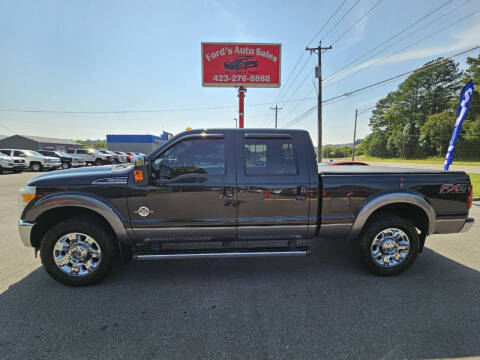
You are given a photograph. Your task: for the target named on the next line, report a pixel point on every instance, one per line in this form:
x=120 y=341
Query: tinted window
x=5 y=152
x=192 y=157
x=269 y=157
x=81 y=151
x=19 y=153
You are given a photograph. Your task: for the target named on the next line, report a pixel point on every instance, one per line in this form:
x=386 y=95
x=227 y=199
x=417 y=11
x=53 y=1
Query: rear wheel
x=389 y=244
x=65 y=165
x=36 y=166
x=78 y=251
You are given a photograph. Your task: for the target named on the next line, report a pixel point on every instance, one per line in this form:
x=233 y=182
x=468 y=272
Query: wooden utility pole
x=318 y=75
x=354 y=135
x=276 y=108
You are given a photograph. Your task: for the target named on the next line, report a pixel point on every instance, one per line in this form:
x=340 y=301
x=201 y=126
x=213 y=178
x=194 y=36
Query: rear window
x=269 y=157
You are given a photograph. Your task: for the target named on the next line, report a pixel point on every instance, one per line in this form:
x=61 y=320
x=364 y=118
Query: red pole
x=241 y=97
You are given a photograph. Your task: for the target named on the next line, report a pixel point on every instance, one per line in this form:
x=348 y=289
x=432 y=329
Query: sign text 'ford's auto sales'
x=233 y=65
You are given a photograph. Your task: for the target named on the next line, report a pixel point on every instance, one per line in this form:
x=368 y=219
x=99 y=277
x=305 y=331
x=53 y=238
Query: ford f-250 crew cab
x=222 y=193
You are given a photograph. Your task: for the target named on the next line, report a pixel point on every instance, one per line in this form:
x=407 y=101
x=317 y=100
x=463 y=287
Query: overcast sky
x=145 y=55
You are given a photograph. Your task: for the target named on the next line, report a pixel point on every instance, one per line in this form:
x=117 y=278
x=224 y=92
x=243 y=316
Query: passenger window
x=269 y=157
x=5 y=152
x=203 y=156
x=19 y=153
x=81 y=151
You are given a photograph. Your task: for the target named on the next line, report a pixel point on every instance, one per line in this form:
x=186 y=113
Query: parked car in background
x=67 y=160
x=92 y=156
x=34 y=160
x=123 y=156
x=116 y=158
x=9 y=163
x=130 y=156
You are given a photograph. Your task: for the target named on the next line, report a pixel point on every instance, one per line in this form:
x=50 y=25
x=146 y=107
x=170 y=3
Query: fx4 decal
x=453 y=189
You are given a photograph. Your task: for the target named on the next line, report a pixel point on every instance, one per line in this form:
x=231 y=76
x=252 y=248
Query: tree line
x=417 y=119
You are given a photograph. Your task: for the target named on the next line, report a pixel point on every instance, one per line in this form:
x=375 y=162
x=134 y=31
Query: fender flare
x=369 y=207
x=58 y=200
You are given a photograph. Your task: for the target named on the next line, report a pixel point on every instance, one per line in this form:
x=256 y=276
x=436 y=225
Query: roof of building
x=42 y=139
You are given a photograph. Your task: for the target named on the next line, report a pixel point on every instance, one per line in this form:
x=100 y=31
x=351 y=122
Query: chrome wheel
x=390 y=247
x=77 y=254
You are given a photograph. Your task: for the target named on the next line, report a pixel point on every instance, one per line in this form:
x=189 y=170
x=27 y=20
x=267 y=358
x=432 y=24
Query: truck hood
x=80 y=176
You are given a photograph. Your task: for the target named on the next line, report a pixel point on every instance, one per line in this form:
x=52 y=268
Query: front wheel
x=36 y=166
x=99 y=162
x=65 y=165
x=389 y=245
x=78 y=251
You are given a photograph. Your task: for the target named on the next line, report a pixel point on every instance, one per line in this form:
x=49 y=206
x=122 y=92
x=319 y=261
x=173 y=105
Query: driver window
x=202 y=156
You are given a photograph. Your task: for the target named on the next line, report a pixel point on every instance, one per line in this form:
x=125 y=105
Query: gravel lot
x=322 y=306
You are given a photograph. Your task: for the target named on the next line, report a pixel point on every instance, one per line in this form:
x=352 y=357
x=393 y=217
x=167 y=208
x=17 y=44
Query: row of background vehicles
x=18 y=160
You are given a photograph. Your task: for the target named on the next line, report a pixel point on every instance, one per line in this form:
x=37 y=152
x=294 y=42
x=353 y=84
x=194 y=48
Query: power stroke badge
x=143 y=211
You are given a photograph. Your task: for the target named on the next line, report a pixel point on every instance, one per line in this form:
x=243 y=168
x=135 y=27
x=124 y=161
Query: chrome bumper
x=468 y=224
x=25 y=229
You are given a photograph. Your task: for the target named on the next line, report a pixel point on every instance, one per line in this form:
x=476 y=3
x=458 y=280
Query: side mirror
x=140 y=171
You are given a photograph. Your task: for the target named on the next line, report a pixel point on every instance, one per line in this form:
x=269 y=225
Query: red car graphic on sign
x=240 y=63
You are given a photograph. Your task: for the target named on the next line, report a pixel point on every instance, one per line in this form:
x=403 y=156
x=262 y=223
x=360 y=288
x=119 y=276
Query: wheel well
x=54 y=216
x=407 y=211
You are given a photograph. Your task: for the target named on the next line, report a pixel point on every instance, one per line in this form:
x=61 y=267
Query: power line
x=340 y=20
x=286 y=86
x=348 y=94
x=390 y=38
x=358 y=21
x=142 y=111
x=410 y=45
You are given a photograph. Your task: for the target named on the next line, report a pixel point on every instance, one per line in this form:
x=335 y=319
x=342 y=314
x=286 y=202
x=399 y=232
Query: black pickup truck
x=235 y=193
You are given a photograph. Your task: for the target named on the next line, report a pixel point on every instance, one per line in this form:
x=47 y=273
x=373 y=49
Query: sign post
x=241 y=65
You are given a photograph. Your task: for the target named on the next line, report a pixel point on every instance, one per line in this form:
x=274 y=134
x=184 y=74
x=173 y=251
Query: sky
x=106 y=56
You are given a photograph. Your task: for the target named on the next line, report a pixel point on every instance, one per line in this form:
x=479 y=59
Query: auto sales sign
x=234 y=65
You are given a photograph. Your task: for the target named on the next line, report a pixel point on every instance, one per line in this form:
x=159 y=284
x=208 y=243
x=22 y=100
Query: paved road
x=325 y=306
x=467 y=168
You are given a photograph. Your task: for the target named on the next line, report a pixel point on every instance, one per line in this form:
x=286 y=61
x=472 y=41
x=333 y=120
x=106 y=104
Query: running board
x=222 y=253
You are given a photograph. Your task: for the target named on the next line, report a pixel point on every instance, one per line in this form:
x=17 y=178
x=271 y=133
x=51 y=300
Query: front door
x=190 y=195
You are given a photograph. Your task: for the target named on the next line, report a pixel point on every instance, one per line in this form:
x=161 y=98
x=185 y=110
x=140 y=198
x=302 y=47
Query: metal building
x=136 y=143
x=27 y=142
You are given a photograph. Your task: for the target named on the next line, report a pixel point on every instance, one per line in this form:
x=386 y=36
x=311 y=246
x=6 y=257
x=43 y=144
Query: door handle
x=227 y=195
x=300 y=195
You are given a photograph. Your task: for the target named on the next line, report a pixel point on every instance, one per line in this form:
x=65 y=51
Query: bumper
x=467 y=225
x=52 y=166
x=25 y=229
x=16 y=167
x=451 y=226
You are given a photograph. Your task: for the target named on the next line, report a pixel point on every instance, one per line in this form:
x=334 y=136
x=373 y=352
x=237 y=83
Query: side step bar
x=222 y=253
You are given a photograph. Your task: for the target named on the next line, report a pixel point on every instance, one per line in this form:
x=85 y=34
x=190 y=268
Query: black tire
x=36 y=166
x=375 y=226
x=89 y=226
x=65 y=165
x=98 y=162
x=1 y=170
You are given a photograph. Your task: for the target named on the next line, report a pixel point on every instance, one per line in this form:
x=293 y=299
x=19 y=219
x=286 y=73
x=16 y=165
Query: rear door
x=272 y=182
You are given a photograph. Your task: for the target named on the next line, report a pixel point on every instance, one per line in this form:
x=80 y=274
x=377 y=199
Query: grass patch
x=475 y=179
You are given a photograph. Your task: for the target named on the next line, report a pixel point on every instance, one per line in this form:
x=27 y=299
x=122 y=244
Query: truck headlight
x=27 y=194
